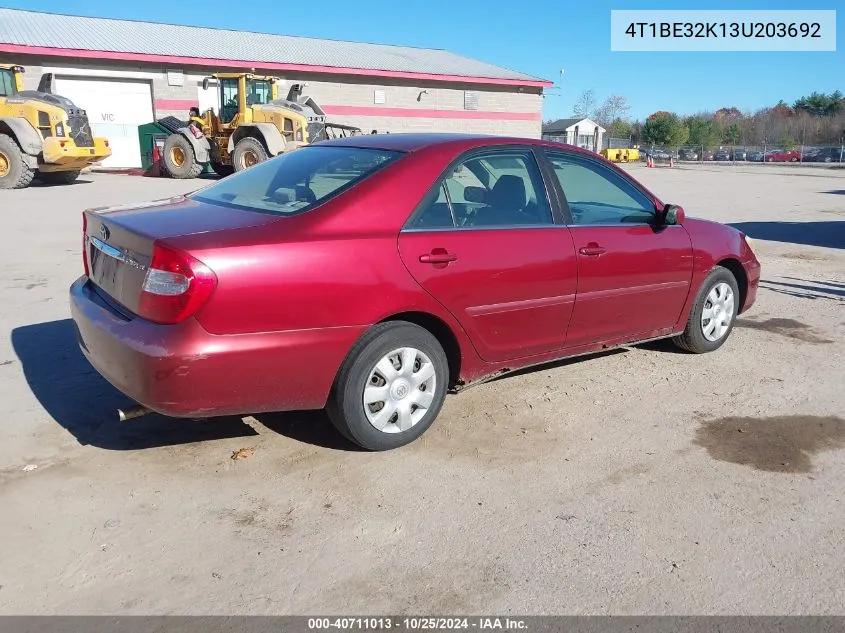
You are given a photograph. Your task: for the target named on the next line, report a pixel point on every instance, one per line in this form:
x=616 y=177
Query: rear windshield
x=297 y=181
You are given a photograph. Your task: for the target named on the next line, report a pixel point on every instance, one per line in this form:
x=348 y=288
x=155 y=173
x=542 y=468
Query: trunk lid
x=119 y=241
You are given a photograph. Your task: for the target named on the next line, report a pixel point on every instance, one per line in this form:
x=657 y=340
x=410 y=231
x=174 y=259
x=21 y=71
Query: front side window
x=7 y=83
x=298 y=181
x=258 y=91
x=597 y=195
x=228 y=99
x=497 y=189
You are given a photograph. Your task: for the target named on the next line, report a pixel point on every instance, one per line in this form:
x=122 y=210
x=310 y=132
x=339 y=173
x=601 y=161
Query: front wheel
x=14 y=172
x=248 y=152
x=179 y=158
x=391 y=386
x=712 y=317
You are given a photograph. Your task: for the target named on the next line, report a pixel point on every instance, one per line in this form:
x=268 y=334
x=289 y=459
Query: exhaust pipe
x=133 y=412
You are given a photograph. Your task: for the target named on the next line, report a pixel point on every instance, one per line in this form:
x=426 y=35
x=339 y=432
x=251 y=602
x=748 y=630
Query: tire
x=346 y=407
x=14 y=172
x=222 y=170
x=58 y=177
x=793 y=160
x=695 y=338
x=179 y=158
x=248 y=152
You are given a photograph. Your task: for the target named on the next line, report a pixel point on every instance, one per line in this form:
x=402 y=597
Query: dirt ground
x=641 y=481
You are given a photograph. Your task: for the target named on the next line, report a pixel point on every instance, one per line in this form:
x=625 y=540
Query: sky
x=538 y=37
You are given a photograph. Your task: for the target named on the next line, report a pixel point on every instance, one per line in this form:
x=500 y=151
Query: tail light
x=176 y=286
x=85 y=243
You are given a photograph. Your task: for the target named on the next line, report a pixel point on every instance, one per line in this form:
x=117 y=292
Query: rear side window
x=297 y=181
x=497 y=189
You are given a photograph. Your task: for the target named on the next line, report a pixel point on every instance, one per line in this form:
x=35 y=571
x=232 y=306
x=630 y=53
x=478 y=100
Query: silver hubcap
x=399 y=390
x=718 y=312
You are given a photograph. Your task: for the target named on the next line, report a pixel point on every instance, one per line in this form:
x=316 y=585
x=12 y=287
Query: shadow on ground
x=836 y=192
x=38 y=183
x=829 y=234
x=807 y=289
x=80 y=400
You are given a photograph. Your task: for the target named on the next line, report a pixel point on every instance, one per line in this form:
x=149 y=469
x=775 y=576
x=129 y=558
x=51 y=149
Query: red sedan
x=783 y=156
x=373 y=274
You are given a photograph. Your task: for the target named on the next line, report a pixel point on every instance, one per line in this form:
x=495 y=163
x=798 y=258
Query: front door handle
x=438 y=256
x=592 y=250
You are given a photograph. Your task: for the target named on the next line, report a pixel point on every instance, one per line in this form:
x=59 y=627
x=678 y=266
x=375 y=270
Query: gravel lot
x=639 y=481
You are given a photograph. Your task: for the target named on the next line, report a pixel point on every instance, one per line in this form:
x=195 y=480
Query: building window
x=378 y=96
x=470 y=100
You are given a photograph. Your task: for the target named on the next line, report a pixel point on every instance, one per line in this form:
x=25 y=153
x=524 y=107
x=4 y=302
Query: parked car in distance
x=826 y=155
x=687 y=154
x=783 y=156
x=721 y=154
x=738 y=154
x=656 y=153
x=755 y=156
x=707 y=155
x=434 y=263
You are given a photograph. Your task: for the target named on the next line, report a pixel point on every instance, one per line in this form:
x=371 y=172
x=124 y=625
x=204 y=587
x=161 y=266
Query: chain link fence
x=749 y=153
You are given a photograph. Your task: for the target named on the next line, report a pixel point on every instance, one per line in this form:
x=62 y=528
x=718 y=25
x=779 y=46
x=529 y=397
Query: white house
x=584 y=133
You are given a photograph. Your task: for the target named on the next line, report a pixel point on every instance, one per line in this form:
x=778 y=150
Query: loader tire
x=248 y=152
x=179 y=158
x=58 y=177
x=14 y=172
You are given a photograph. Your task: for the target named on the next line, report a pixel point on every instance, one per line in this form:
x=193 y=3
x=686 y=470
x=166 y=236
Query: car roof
x=410 y=142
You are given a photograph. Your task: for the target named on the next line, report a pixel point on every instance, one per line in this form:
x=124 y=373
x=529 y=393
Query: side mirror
x=671 y=215
x=205 y=83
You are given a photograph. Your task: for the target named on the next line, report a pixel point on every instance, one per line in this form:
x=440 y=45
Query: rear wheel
x=248 y=152
x=58 y=177
x=14 y=172
x=179 y=158
x=391 y=386
x=712 y=317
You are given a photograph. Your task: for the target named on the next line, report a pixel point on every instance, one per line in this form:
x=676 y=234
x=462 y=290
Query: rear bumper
x=183 y=371
x=63 y=154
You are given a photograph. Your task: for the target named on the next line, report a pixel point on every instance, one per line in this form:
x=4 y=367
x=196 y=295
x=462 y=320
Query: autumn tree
x=665 y=128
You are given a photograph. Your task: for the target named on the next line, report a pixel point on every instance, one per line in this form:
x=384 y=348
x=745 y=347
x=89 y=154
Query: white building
x=584 y=133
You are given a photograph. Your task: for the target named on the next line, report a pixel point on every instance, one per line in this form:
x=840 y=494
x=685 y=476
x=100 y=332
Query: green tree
x=665 y=128
x=619 y=128
x=702 y=132
x=733 y=134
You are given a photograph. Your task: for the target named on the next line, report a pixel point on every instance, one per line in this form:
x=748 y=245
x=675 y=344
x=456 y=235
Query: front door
x=633 y=275
x=485 y=245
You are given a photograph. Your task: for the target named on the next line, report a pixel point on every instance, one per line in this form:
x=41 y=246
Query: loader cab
x=11 y=80
x=238 y=93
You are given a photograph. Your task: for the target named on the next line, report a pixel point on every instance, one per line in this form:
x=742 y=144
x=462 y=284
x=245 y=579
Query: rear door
x=633 y=275
x=485 y=244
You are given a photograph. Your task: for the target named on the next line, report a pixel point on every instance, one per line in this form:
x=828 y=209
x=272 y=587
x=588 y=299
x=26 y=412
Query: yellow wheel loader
x=251 y=124
x=42 y=134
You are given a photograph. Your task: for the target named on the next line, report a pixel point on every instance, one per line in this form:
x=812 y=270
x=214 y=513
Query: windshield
x=297 y=181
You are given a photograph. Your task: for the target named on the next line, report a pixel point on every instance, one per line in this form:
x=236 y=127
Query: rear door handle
x=438 y=256
x=592 y=250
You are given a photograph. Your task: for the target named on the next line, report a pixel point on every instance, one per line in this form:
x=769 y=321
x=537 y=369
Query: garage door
x=115 y=110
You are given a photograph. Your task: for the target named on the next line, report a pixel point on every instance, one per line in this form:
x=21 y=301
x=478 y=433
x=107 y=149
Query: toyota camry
x=372 y=275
